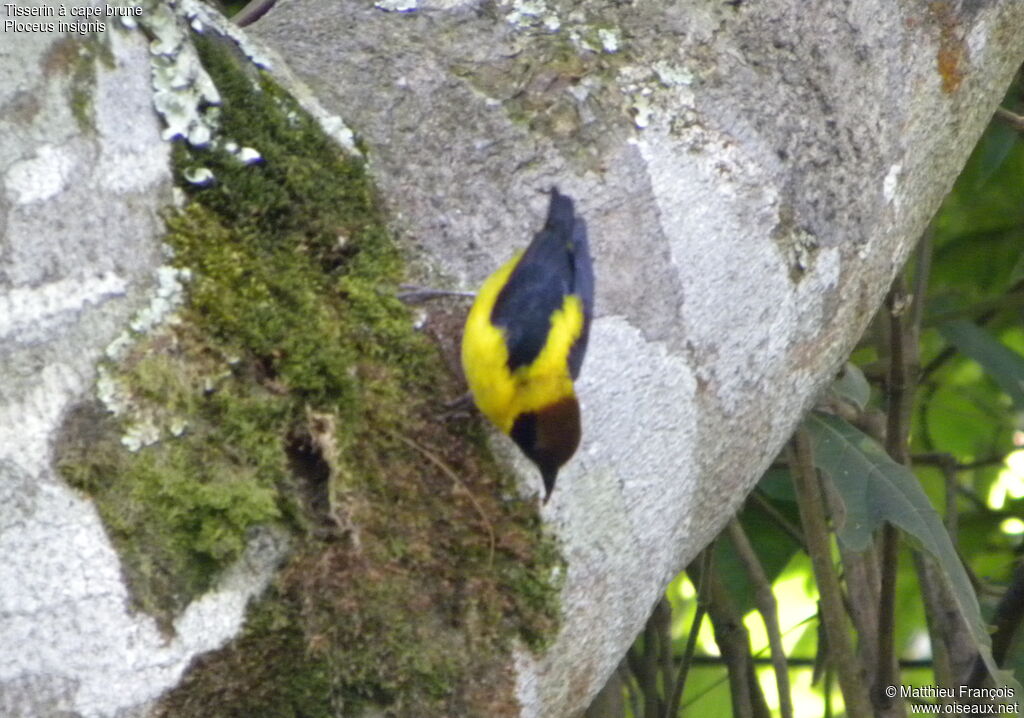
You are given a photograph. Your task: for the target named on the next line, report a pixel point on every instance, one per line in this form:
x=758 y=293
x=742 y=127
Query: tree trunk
x=752 y=175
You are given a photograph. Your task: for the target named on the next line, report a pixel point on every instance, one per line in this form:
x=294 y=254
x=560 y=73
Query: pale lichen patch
x=397 y=5
x=891 y=182
x=41 y=176
x=660 y=93
x=610 y=40
x=169 y=295
x=30 y=310
x=532 y=14
x=199 y=176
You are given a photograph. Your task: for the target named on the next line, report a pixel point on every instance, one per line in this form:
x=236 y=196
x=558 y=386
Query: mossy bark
x=291 y=388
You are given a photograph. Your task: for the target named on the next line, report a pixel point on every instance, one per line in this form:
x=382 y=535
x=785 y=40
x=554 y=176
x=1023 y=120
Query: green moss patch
x=77 y=56
x=294 y=390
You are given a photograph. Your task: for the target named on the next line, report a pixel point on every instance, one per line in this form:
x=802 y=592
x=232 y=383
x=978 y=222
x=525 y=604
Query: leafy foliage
x=958 y=499
x=875 y=489
x=1000 y=362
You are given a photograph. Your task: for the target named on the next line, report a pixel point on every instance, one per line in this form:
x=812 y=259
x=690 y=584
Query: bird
x=525 y=338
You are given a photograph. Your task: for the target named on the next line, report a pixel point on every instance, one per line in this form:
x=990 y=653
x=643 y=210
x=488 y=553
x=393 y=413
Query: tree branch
x=812 y=516
x=704 y=560
x=993 y=307
x=941 y=460
x=733 y=643
x=1011 y=118
x=781 y=521
x=899 y=391
x=253 y=11
x=766 y=605
x=1007 y=619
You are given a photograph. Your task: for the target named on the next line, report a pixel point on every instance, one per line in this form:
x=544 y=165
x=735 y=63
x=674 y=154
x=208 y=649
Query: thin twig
x=949 y=468
x=1011 y=118
x=632 y=686
x=951 y=514
x=801 y=662
x=805 y=662
x=684 y=666
x=648 y=676
x=675 y=697
x=900 y=380
x=826 y=692
x=941 y=358
x=734 y=644
x=610 y=701
x=899 y=392
x=886 y=669
x=775 y=515
x=1006 y=619
x=252 y=12
x=663 y=626
x=411 y=294
x=921 y=273
x=932 y=601
x=941 y=460
x=984 y=318
x=981 y=310
x=645 y=664
x=979 y=504
x=862 y=577
x=436 y=461
x=636 y=669
x=766 y=605
x=948 y=637
x=812 y=516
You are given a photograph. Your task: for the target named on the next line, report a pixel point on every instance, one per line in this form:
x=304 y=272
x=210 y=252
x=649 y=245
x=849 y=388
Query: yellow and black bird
x=525 y=338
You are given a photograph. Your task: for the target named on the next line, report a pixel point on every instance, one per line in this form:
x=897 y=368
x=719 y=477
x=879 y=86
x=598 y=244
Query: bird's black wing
x=556 y=263
x=583 y=275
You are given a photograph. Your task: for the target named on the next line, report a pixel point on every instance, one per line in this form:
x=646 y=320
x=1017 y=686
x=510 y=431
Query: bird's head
x=549 y=437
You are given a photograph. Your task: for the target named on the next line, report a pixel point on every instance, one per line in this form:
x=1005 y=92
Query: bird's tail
x=561 y=214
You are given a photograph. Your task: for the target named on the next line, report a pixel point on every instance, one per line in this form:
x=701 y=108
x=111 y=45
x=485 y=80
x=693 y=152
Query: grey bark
x=85 y=174
x=753 y=177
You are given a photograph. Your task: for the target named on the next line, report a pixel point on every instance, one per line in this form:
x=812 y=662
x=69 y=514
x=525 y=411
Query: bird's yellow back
x=501 y=394
x=525 y=338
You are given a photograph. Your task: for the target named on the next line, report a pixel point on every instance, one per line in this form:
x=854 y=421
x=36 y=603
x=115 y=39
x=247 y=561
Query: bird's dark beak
x=549 y=484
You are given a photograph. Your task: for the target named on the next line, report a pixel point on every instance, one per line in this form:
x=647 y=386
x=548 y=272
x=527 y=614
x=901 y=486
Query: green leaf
x=874 y=489
x=1017 y=273
x=1000 y=362
x=852 y=386
x=992 y=152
